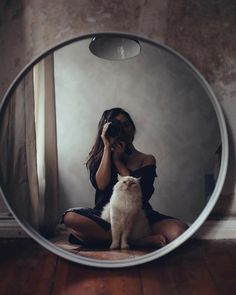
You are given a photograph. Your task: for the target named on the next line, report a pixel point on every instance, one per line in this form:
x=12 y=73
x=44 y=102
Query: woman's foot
x=75 y=240
x=154 y=241
x=158 y=240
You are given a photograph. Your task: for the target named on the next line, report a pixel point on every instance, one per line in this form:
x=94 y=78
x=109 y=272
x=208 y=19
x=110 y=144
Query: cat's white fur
x=125 y=213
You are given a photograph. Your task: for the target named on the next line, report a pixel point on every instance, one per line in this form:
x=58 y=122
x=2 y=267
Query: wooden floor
x=197 y=267
x=61 y=241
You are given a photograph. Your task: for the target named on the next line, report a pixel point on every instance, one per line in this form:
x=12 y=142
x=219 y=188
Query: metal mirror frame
x=201 y=218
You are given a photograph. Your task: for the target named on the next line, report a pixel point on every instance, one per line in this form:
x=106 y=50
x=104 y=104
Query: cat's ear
x=139 y=179
x=119 y=177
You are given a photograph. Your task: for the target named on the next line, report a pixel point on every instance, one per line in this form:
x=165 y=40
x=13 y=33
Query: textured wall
x=204 y=32
x=174 y=118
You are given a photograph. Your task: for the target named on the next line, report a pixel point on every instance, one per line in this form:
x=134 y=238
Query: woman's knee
x=71 y=219
x=76 y=223
x=176 y=230
x=85 y=226
x=171 y=229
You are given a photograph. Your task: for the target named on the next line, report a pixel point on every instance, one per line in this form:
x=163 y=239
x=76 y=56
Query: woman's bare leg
x=163 y=232
x=170 y=228
x=86 y=229
x=91 y=233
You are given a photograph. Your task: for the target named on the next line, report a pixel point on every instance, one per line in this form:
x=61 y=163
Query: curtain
x=17 y=144
x=46 y=143
x=28 y=149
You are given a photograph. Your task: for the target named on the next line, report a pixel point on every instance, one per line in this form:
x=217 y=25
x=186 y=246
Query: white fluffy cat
x=125 y=213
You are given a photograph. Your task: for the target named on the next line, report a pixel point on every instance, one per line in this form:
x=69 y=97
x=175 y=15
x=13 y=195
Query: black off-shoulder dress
x=102 y=197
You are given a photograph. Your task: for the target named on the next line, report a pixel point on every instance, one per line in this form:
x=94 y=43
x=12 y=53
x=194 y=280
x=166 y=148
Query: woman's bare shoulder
x=148 y=160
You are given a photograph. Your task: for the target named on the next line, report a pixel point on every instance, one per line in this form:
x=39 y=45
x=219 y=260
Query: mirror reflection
x=138 y=137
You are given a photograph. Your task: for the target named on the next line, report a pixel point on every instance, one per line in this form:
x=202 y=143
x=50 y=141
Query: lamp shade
x=114 y=48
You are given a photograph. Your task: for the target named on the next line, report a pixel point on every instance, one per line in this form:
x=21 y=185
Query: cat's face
x=128 y=183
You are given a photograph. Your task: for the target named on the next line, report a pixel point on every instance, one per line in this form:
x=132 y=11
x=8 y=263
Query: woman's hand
x=105 y=140
x=118 y=149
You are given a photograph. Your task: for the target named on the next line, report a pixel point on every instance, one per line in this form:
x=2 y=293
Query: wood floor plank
x=197 y=267
x=181 y=272
x=190 y=271
x=157 y=279
x=61 y=241
x=23 y=265
x=73 y=279
x=107 y=254
x=220 y=258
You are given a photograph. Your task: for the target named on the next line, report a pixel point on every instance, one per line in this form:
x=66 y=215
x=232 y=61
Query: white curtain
x=28 y=149
x=46 y=144
x=18 y=153
x=39 y=111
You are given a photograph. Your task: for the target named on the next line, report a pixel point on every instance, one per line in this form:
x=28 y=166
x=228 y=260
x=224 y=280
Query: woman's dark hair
x=96 y=152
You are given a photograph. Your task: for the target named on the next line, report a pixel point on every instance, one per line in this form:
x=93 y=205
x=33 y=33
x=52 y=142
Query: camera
x=114 y=129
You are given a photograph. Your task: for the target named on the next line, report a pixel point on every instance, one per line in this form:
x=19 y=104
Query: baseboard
x=217 y=229
x=9 y=228
x=210 y=230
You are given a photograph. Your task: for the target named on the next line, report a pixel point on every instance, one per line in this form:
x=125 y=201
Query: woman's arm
x=103 y=174
x=120 y=166
x=118 y=151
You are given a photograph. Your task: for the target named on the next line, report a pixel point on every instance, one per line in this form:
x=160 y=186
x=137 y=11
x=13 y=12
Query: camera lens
x=114 y=129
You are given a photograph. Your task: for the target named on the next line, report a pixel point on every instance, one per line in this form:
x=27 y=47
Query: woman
x=111 y=156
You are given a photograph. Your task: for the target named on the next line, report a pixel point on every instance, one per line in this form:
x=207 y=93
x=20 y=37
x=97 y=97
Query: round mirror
x=59 y=168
